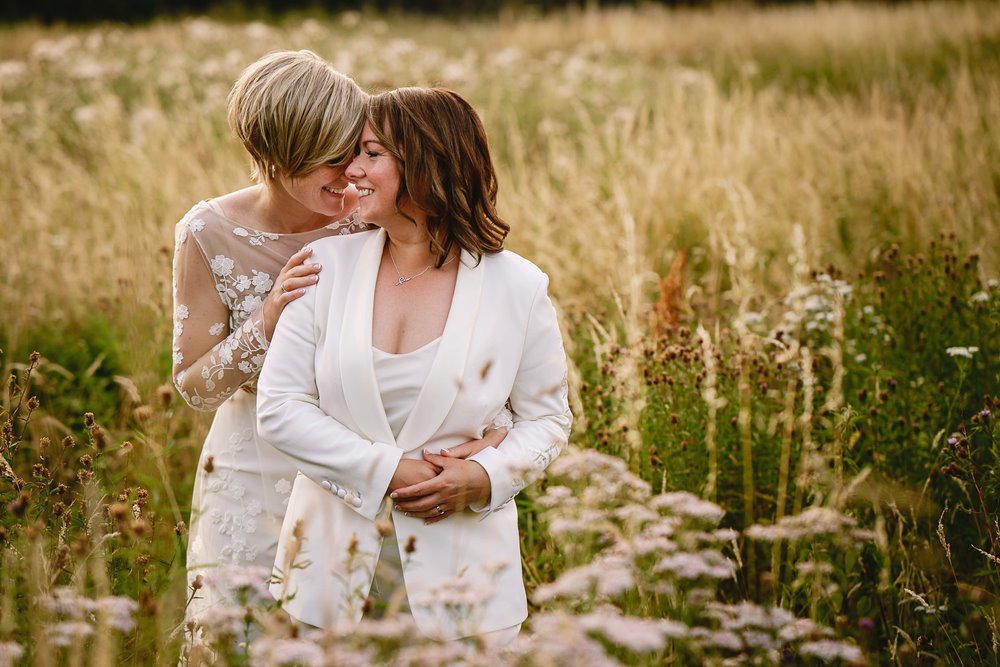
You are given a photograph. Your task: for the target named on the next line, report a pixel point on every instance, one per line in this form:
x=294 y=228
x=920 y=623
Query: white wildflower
x=223 y=619
x=829 y=649
x=274 y=651
x=434 y=653
x=748 y=615
x=965 y=352
x=607 y=575
x=65 y=601
x=119 y=611
x=639 y=635
x=810 y=523
x=557 y=638
x=801 y=628
x=246 y=578
x=980 y=297
x=686 y=504
x=66 y=633
x=555 y=496
x=644 y=544
x=634 y=513
x=808 y=568
x=455 y=593
x=703 y=564
x=13 y=69
x=724 y=639
x=395 y=627
x=10 y=653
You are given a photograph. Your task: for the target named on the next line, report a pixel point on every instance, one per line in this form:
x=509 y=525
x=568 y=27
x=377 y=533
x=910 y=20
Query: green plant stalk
x=746 y=445
x=788 y=422
x=711 y=447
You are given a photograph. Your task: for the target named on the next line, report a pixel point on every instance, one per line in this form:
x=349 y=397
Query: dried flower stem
x=835 y=397
x=711 y=399
x=808 y=453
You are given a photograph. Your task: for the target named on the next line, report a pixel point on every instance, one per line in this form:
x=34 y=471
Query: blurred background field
x=772 y=235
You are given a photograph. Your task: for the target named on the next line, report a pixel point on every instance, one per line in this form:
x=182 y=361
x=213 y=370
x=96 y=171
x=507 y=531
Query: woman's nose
x=354 y=170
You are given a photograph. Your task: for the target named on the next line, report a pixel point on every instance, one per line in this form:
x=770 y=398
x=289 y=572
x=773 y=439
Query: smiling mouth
x=334 y=191
x=364 y=192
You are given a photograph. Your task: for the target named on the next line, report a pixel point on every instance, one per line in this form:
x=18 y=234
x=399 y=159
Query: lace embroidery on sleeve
x=218 y=342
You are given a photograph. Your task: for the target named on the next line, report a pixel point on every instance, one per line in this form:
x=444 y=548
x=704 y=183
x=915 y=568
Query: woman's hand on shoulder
x=291 y=284
x=491 y=438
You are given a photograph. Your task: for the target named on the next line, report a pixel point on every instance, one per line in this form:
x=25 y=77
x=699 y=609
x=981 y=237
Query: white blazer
x=318 y=401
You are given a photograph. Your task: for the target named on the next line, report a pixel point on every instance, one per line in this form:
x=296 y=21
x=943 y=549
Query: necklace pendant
x=403 y=279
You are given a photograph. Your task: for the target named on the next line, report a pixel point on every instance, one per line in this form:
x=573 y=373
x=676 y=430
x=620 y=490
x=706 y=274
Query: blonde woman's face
x=321 y=191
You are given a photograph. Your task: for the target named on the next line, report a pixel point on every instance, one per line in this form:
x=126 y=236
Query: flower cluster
x=76 y=616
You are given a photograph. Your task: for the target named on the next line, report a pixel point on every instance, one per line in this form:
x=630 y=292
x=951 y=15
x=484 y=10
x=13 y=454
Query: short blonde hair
x=293 y=110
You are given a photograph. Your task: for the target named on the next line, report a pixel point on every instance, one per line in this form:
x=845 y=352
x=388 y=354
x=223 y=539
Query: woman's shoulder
x=203 y=215
x=341 y=244
x=515 y=267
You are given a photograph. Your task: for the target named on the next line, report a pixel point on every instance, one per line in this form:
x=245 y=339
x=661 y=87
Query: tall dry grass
x=862 y=124
x=745 y=146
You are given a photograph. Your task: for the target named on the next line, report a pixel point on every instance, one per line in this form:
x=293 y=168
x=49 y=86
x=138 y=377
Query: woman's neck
x=411 y=251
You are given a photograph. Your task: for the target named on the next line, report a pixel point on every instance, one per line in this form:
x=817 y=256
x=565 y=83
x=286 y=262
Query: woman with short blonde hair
x=238 y=261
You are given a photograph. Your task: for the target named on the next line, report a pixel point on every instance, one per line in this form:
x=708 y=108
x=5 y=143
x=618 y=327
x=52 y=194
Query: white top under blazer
x=319 y=402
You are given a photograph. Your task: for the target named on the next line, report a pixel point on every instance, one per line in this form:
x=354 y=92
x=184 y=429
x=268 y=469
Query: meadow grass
x=824 y=182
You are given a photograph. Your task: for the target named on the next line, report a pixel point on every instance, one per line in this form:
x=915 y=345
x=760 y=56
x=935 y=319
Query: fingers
x=295 y=283
x=438 y=460
x=297 y=258
x=435 y=519
x=465 y=450
x=428 y=510
x=415 y=490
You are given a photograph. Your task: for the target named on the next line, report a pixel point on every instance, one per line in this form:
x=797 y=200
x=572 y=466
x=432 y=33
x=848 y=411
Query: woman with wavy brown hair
x=238 y=261
x=413 y=342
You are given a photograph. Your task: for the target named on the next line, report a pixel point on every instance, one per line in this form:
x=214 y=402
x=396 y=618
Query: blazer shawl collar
x=445 y=377
x=357 y=368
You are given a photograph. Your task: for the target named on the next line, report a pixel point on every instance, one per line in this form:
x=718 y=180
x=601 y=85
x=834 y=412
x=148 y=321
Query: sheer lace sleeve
x=212 y=357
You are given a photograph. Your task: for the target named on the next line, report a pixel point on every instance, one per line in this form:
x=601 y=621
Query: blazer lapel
x=445 y=377
x=356 y=364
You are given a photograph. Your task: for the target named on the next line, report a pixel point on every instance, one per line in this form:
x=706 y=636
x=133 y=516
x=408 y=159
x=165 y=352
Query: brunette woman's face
x=376 y=175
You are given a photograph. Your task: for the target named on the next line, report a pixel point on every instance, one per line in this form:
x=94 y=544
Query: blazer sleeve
x=540 y=403
x=289 y=416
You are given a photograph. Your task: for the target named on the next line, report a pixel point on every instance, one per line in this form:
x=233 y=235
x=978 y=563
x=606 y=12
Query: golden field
x=824 y=180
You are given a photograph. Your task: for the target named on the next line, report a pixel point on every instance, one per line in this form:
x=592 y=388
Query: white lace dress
x=223 y=271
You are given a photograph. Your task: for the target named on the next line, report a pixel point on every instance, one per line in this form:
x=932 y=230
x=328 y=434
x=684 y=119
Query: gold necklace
x=405 y=279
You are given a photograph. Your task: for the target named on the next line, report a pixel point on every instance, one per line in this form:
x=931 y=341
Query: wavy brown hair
x=445 y=166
